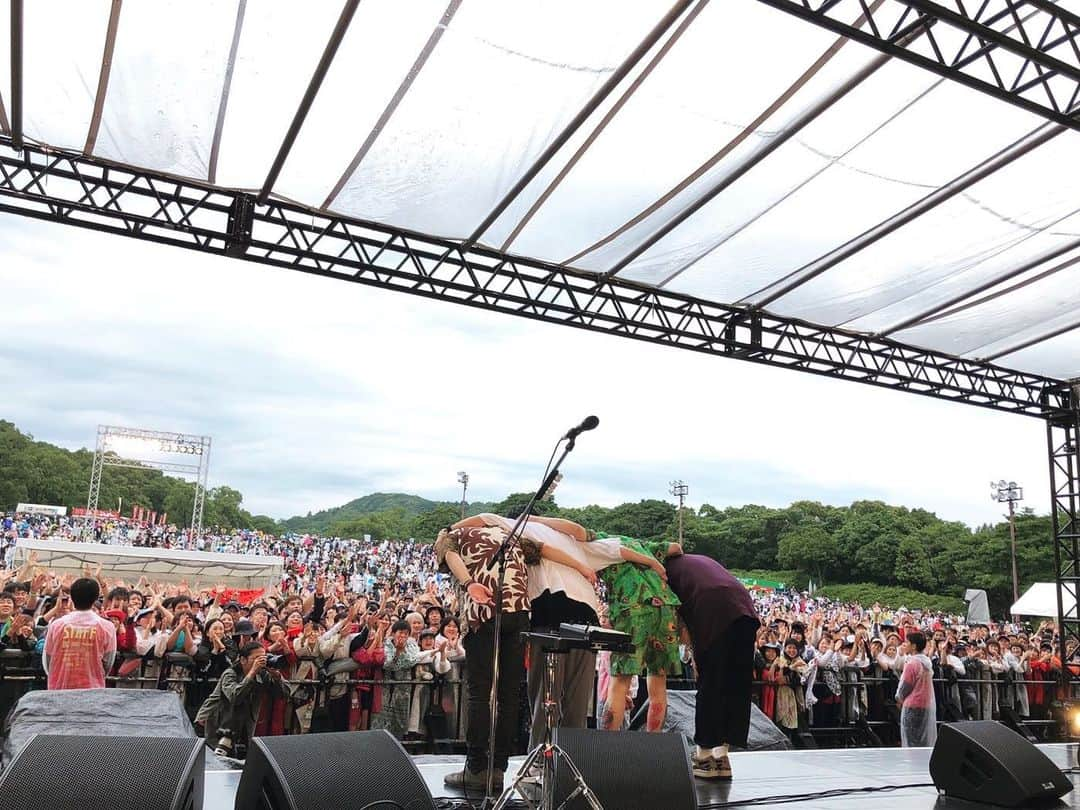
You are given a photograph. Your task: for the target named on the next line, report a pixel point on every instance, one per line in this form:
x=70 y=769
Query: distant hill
x=411 y=505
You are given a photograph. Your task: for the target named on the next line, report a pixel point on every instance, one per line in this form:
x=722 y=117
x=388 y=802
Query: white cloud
x=317 y=391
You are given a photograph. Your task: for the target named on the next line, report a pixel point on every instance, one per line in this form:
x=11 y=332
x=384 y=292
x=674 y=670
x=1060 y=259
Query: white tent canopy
x=168 y=565
x=1041 y=600
x=432 y=110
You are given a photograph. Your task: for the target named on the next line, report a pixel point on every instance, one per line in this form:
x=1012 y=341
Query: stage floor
x=764 y=774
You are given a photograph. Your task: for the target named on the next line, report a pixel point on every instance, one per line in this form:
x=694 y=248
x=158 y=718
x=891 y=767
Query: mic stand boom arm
x=500 y=557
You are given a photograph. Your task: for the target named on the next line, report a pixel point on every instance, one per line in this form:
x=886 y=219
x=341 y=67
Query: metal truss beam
x=1063 y=443
x=1024 y=52
x=17 y=74
x=74 y=190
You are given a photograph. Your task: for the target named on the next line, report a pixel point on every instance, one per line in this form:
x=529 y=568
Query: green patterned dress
x=641 y=604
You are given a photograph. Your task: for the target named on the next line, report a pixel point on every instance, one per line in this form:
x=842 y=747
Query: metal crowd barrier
x=866 y=712
x=21 y=672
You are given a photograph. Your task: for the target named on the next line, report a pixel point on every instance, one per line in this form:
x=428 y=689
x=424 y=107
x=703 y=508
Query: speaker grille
x=119 y=773
x=336 y=770
x=628 y=770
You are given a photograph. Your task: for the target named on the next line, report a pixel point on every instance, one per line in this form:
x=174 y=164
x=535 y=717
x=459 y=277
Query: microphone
x=588 y=423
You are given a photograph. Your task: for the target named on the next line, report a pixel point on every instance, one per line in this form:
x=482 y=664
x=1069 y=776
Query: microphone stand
x=500 y=557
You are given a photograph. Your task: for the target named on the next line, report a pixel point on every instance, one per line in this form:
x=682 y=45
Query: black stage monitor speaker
x=628 y=770
x=985 y=761
x=336 y=770
x=118 y=773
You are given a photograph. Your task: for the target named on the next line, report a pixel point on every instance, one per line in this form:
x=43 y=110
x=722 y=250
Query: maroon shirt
x=712 y=598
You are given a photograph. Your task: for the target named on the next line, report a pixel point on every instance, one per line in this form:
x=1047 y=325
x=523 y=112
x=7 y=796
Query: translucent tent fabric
x=734 y=160
x=156 y=564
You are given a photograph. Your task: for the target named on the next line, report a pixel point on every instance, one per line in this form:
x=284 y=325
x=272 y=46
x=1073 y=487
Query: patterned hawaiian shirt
x=477 y=547
x=629 y=586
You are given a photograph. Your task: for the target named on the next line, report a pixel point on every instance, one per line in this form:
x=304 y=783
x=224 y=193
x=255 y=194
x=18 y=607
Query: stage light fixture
x=1071 y=717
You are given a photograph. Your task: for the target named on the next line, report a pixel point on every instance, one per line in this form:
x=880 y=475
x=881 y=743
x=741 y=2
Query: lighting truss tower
x=1063 y=441
x=1008 y=492
x=128 y=447
x=679 y=489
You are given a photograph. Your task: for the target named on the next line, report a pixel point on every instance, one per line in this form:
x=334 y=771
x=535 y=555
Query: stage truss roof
x=883 y=191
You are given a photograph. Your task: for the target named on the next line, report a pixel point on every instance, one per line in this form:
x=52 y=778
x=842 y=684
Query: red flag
x=164 y=515
x=153 y=518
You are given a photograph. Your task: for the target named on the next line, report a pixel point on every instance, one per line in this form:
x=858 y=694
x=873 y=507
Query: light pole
x=463 y=479
x=1008 y=492
x=679 y=490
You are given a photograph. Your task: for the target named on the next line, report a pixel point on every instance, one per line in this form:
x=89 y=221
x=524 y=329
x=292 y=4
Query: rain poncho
x=918 y=717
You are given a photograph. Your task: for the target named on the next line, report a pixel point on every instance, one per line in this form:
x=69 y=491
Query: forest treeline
x=867 y=542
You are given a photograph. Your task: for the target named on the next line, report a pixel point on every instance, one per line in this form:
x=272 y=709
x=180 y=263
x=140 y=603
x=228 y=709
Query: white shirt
x=555 y=577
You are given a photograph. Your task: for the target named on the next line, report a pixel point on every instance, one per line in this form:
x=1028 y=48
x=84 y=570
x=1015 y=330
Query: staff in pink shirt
x=80 y=646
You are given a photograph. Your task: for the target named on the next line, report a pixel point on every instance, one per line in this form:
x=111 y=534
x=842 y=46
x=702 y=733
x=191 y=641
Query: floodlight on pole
x=463 y=479
x=1008 y=492
x=679 y=489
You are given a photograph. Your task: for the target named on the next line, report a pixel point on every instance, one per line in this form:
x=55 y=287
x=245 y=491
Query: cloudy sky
x=316 y=391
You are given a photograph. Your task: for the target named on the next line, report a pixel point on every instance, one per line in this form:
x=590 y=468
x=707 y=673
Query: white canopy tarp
x=431 y=111
x=169 y=565
x=1040 y=600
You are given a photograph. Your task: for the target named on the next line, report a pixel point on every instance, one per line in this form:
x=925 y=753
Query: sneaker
x=705 y=767
x=466 y=780
x=224 y=746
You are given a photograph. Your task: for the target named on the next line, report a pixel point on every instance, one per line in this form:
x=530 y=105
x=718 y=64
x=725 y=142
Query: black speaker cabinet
x=119 y=773
x=984 y=761
x=628 y=770
x=321 y=771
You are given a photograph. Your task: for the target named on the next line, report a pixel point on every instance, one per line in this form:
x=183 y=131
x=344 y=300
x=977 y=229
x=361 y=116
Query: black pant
x=479 y=645
x=338 y=709
x=725 y=677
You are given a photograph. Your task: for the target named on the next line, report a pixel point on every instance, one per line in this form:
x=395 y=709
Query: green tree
x=263 y=523
x=912 y=565
x=647 y=520
x=178 y=504
x=391 y=524
x=426 y=525
x=513 y=504
x=222 y=508
x=868 y=536
x=810 y=549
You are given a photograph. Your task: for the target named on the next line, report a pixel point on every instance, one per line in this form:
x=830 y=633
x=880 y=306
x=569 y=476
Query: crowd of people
x=822 y=663
x=361 y=634
x=363 y=562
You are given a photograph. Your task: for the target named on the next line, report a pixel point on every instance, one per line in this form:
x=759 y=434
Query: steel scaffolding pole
x=200 y=487
x=95 y=472
x=1063 y=443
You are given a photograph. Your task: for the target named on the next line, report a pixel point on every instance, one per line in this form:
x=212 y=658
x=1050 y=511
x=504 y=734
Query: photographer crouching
x=230 y=713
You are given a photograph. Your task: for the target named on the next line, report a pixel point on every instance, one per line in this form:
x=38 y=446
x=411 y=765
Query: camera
x=276 y=662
